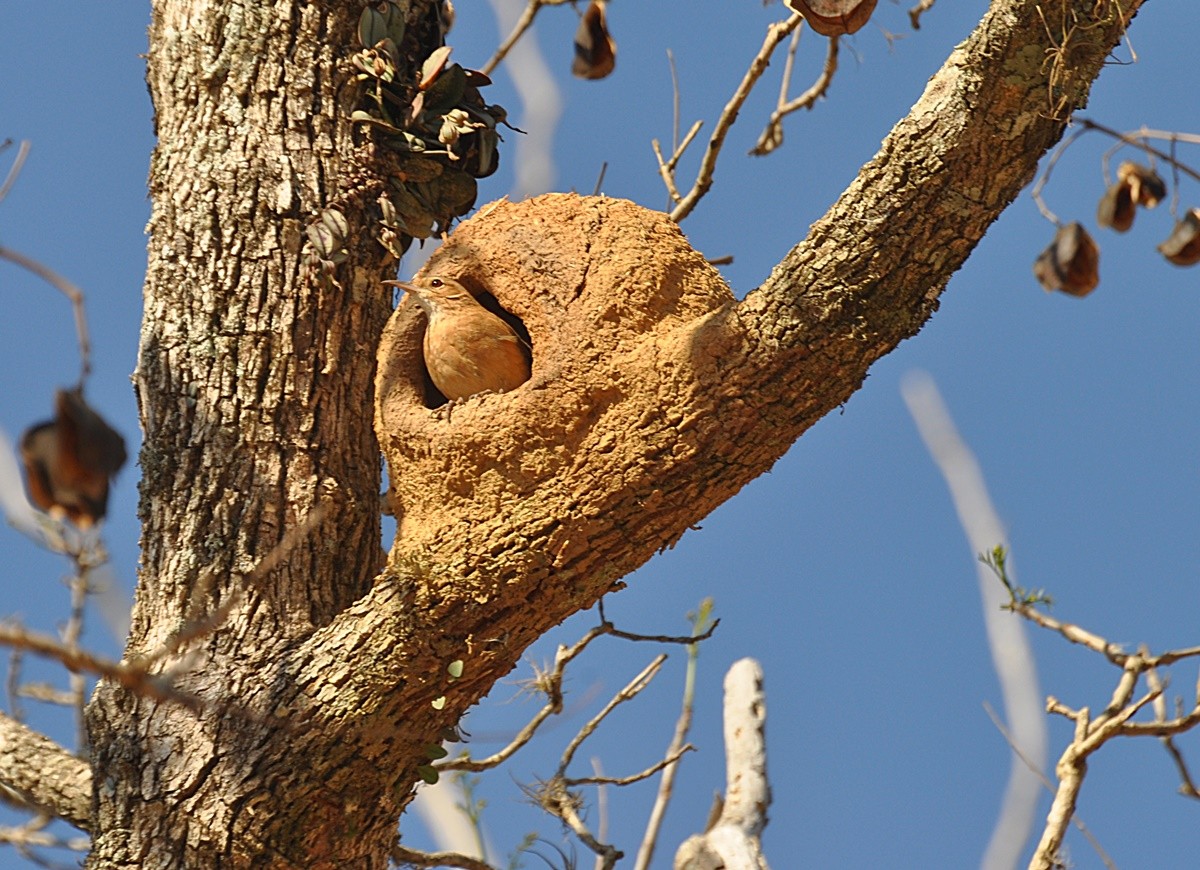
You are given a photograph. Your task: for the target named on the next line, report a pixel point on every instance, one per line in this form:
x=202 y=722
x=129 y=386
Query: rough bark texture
x=654 y=397
x=41 y=774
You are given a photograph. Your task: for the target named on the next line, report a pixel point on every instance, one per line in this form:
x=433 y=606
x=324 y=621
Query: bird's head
x=437 y=295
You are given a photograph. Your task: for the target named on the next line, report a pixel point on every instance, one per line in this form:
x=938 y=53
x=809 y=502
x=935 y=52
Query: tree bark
x=654 y=397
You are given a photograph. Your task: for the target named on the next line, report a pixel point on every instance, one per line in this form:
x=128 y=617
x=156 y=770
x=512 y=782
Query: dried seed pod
x=1146 y=188
x=1182 y=247
x=1136 y=185
x=833 y=17
x=70 y=461
x=1117 y=208
x=595 y=49
x=1071 y=263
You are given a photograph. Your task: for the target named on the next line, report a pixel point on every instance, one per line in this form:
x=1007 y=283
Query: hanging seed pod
x=1146 y=188
x=833 y=17
x=1071 y=263
x=1182 y=247
x=1117 y=209
x=70 y=461
x=595 y=49
x=1136 y=185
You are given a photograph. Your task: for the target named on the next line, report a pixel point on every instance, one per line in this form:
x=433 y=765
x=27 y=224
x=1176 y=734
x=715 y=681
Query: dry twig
x=523 y=24
x=414 y=858
x=772 y=135
x=684 y=204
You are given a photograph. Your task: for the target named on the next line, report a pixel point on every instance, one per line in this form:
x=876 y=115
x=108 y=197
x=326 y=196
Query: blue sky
x=844 y=570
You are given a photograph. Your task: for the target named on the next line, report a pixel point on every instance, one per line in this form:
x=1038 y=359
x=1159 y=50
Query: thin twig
x=683 y=725
x=772 y=135
x=1073 y=633
x=404 y=855
x=633 y=777
x=12 y=685
x=133 y=677
x=523 y=24
x=1104 y=857
x=72 y=632
x=550 y=684
x=776 y=33
x=69 y=290
x=601 y=805
x=914 y=14
x=15 y=169
x=559 y=801
x=632 y=689
x=1134 y=140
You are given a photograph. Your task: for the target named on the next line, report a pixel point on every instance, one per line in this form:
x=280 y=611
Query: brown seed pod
x=1117 y=208
x=1071 y=263
x=833 y=17
x=1182 y=247
x=1146 y=188
x=70 y=461
x=1136 y=185
x=595 y=49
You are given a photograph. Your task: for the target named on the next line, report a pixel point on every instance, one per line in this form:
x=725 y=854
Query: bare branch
x=43 y=774
x=772 y=135
x=523 y=24
x=914 y=14
x=776 y=33
x=414 y=858
x=132 y=676
x=559 y=801
x=550 y=684
x=1073 y=633
x=15 y=169
x=632 y=689
x=71 y=634
x=682 y=726
x=1104 y=857
x=733 y=841
x=632 y=778
x=69 y=290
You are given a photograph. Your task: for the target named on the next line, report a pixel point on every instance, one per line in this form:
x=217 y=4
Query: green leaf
x=372 y=26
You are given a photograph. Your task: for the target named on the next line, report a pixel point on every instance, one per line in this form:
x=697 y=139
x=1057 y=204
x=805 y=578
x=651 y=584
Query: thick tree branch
x=655 y=396
x=746 y=380
x=43 y=774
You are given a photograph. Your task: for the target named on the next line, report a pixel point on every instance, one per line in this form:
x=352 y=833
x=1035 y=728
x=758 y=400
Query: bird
x=467 y=349
x=71 y=460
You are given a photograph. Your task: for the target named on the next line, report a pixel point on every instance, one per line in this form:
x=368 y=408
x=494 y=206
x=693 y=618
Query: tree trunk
x=654 y=397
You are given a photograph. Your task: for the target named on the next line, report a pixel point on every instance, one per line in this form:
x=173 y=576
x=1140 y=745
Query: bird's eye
x=437 y=282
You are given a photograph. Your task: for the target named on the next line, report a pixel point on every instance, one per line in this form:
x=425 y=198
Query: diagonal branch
x=43 y=774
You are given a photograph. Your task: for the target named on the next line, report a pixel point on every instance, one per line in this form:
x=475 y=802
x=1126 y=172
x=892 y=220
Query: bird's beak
x=403 y=285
